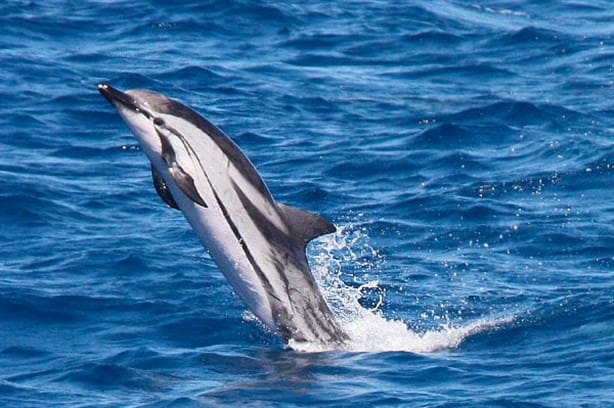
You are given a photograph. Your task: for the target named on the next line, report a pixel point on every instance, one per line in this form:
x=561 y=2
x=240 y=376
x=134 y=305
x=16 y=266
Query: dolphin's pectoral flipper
x=162 y=189
x=305 y=225
x=186 y=183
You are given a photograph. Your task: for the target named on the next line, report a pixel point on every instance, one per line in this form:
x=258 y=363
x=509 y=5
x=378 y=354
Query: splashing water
x=368 y=329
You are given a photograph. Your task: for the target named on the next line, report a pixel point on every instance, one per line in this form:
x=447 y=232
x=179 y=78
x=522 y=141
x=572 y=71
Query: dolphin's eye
x=158 y=121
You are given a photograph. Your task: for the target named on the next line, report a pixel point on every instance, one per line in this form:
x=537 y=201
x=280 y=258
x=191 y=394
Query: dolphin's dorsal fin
x=305 y=225
x=162 y=188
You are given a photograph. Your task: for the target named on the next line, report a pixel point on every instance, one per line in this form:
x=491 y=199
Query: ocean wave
x=110 y=376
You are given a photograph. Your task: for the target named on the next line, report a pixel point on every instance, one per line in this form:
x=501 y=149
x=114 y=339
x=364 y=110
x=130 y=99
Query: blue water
x=464 y=149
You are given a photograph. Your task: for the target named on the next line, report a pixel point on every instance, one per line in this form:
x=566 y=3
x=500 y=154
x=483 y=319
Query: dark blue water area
x=465 y=150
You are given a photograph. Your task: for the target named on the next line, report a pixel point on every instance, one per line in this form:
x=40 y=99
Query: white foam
x=368 y=329
x=375 y=334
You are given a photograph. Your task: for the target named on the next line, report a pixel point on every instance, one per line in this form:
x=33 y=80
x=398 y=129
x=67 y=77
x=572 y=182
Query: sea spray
x=368 y=328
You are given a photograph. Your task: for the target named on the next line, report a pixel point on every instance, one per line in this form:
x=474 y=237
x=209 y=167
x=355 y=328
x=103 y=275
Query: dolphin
x=257 y=243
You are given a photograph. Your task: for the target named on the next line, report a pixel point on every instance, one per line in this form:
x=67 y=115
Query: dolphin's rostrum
x=258 y=244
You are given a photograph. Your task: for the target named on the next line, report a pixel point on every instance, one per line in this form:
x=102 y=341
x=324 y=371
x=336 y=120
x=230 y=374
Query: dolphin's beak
x=119 y=98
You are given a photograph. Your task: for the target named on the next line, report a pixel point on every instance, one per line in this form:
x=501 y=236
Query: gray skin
x=258 y=244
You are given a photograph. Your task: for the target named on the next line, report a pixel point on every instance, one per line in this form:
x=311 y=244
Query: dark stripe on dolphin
x=270 y=231
x=230 y=149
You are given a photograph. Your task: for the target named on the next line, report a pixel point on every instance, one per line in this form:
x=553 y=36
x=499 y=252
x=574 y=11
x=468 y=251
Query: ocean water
x=465 y=150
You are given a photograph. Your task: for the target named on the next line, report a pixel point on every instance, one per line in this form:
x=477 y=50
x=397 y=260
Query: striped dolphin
x=257 y=243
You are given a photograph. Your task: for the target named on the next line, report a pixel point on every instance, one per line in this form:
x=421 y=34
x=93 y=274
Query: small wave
x=475 y=71
x=193 y=71
x=110 y=376
x=513 y=113
x=433 y=37
x=445 y=136
x=532 y=35
x=23 y=352
x=500 y=11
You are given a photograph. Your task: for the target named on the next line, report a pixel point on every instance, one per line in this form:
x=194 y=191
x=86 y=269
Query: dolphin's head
x=142 y=110
x=168 y=146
